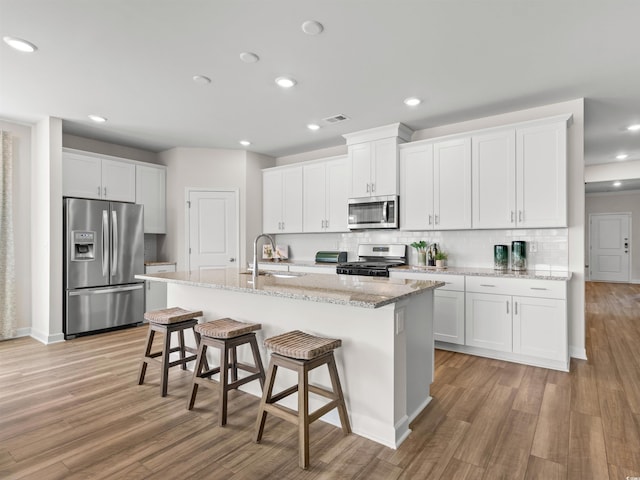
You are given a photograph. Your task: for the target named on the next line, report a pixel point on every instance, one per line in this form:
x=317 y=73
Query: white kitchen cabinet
x=488 y=321
x=93 y=176
x=520 y=177
x=329 y=269
x=374 y=168
x=540 y=328
x=151 y=192
x=541 y=169
x=282 y=200
x=156 y=292
x=325 y=195
x=436 y=185
x=448 y=305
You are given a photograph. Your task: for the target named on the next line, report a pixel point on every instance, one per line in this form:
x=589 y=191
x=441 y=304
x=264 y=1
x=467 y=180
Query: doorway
x=212 y=229
x=610 y=247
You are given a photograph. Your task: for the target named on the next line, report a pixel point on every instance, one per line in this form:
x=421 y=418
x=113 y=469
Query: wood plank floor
x=74 y=411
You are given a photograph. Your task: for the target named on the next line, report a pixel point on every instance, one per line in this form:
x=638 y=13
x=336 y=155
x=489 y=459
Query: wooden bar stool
x=226 y=335
x=168 y=320
x=302 y=353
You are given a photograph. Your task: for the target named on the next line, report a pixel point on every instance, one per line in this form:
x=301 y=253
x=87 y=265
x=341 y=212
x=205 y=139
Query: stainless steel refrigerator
x=104 y=250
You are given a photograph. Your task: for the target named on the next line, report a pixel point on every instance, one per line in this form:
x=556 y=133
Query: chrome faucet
x=255 y=253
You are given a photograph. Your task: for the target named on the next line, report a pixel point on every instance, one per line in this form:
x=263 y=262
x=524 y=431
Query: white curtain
x=7 y=260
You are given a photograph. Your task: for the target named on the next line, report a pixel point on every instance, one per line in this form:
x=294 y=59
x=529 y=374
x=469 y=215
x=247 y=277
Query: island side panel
x=366 y=361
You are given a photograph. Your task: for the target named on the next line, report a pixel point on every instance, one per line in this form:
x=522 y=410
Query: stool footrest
x=283 y=394
x=322 y=391
x=282 y=412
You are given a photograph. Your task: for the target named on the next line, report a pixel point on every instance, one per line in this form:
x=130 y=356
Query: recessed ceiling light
x=201 y=79
x=20 y=44
x=311 y=27
x=634 y=128
x=412 y=101
x=97 y=118
x=244 y=143
x=622 y=156
x=249 y=57
x=313 y=126
x=617 y=184
x=285 y=82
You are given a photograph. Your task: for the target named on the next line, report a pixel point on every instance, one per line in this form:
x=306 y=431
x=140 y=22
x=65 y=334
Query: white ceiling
x=132 y=61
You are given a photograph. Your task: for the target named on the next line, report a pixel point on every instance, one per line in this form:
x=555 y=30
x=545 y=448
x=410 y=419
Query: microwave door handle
x=385 y=212
x=105 y=243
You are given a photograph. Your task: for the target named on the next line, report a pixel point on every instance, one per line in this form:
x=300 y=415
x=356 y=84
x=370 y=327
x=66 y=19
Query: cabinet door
x=271 y=201
x=384 y=166
x=118 y=181
x=156 y=292
x=360 y=158
x=540 y=327
x=292 y=200
x=488 y=321
x=448 y=316
x=151 y=192
x=493 y=174
x=452 y=184
x=416 y=188
x=338 y=181
x=541 y=172
x=81 y=176
x=314 y=202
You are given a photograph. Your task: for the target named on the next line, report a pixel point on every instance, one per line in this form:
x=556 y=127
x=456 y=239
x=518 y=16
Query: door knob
x=232 y=259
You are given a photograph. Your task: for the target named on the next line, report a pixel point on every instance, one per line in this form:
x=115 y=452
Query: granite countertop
x=352 y=290
x=487 y=272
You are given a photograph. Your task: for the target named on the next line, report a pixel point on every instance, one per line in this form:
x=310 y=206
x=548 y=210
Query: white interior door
x=609 y=244
x=213 y=229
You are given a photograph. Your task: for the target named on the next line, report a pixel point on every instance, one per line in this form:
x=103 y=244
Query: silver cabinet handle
x=516 y=308
x=512 y=212
x=430 y=219
x=519 y=215
x=507 y=306
x=98 y=191
x=105 y=192
x=437 y=218
x=373 y=187
x=538 y=288
x=486 y=285
x=148 y=285
x=368 y=188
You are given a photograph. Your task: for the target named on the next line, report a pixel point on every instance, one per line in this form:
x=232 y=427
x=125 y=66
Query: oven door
x=373 y=212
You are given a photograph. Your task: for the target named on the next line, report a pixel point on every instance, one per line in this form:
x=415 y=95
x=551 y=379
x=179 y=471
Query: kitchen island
x=386 y=326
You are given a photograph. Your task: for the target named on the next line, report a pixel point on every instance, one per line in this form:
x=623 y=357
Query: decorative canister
x=500 y=257
x=518 y=255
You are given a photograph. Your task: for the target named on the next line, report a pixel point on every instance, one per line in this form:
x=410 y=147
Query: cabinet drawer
x=452 y=282
x=160 y=268
x=521 y=287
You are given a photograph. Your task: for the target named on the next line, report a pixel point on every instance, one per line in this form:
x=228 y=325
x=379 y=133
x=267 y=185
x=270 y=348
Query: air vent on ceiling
x=335 y=119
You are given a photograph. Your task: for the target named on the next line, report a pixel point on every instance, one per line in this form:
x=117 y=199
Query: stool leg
x=198 y=340
x=266 y=398
x=197 y=371
x=224 y=381
x=303 y=417
x=234 y=364
x=257 y=360
x=164 y=375
x=147 y=352
x=182 y=350
x=337 y=389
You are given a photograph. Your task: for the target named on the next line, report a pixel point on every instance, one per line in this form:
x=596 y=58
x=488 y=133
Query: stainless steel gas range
x=375 y=260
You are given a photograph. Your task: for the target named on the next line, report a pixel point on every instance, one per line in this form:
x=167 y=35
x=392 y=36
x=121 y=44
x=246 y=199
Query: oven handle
x=385 y=212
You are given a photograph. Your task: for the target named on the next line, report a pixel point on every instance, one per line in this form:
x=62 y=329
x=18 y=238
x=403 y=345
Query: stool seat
x=226 y=328
x=169 y=316
x=300 y=345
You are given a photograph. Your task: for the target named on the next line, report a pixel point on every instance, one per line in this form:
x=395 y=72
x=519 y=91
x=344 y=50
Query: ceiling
x=133 y=62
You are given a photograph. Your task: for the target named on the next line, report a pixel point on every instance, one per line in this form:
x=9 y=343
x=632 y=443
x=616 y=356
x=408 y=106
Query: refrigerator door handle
x=105 y=242
x=99 y=291
x=114 y=242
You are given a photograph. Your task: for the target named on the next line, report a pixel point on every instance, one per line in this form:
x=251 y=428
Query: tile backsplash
x=547 y=249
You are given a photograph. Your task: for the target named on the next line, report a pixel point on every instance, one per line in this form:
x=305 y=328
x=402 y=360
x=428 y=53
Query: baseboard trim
x=576 y=352
x=46 y=338
x=23 y=332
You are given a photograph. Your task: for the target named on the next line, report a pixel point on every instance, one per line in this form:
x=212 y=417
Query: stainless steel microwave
x=373 y=212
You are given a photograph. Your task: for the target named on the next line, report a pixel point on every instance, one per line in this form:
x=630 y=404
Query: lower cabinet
x=488 y=321
x=156 y=292
x=540 y=327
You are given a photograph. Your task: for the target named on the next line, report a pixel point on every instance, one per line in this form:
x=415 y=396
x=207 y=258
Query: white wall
x=575 y=234
x=618 y=202
x=204 y=168
x=21 y=135
x=46 y=228
x=96 y=146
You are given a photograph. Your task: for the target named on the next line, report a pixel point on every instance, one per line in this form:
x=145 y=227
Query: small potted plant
x=441 y=259
x=421 y=247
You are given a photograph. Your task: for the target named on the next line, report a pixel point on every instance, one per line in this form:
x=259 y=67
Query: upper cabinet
x=151 y=192
x=325 y=195
x=91 y=176
x=373 y=155
x=435 y=179
x=520 y=176
x=282 y=200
